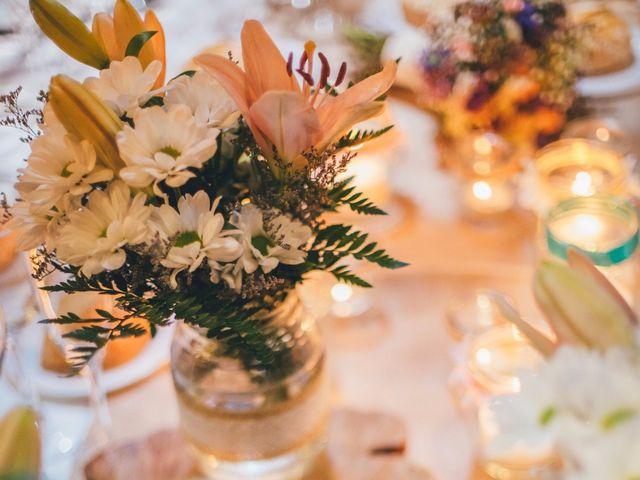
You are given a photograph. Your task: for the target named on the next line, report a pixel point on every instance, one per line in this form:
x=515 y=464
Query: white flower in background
x=262 y=249
x=36 y=225
x=209 y=102
x=59 y=166
x=197 y=233
x=95 y=235
x=163 y=146
x=587 y=404
x=124 y=86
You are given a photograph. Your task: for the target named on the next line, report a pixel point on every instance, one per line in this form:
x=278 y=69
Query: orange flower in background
x=284 y=115
x=115 y=32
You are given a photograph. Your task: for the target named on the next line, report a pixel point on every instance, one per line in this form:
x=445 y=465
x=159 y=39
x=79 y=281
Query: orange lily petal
x=288 y=121
x=103 y=31
x=234 y=81
x=157 y=42
x=127 y=24
x=265 y=66
x=347 y=119
x=362 y=92
x=581 y=263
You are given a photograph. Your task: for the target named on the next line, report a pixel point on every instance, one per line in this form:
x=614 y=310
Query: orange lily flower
x=285 y=116
x=115 y=32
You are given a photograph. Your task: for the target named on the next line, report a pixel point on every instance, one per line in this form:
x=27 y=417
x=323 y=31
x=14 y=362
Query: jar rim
x=609 y=205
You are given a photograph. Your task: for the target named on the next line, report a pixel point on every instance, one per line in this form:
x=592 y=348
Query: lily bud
x=87 y=117
x=20 y=445
x=581 y=309
x=68 y=32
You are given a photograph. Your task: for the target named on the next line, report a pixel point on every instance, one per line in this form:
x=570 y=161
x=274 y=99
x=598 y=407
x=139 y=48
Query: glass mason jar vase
x=250 y=423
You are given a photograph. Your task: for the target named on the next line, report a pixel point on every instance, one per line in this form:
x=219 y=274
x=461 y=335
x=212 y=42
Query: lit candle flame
x=587 y=226
x=582 y=186
x=482 y=190
x=482 y=145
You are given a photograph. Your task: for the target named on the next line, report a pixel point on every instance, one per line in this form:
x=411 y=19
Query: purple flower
x=531 y=23
x=434 y=59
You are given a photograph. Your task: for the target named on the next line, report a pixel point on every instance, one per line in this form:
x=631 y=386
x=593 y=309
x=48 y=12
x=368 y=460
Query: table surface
x=401 y=364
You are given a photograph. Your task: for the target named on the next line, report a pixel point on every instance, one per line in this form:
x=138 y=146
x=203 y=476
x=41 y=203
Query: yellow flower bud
x=20 y=444
x=580 y=309
x=68 y=32
x=87 y=117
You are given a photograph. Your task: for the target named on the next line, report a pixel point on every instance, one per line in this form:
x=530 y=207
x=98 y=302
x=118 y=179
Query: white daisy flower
x=197 y=233
x=163 y=146
x=268 y=249
x=209 y=102
x=124 y=86
x=95 y=235
x=36 y=225
x=59 y=166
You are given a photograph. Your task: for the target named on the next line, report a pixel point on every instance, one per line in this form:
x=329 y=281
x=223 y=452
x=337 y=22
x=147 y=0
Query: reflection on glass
x=19 y=423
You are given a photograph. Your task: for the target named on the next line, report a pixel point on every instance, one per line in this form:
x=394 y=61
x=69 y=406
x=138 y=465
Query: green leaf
x=344 y=194
x=617 y=417
x=188 y=73
x=334 y=242
x=354 y=138
x=154 y=101
x=137 y=42
x=343 y=274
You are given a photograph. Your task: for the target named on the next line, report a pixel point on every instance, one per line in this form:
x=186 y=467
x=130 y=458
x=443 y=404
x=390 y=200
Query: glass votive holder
x=600 y=129
x=485 y=163
x=602 y=227
x=497 y=356
x=472 y=313
x=576 y=167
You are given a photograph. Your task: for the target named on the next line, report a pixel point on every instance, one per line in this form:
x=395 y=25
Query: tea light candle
x=485 y=161
x=604 y=130
x=488 y=196
x=497 y=356
x=579 y=168
x=474 y=313
x=602 y=227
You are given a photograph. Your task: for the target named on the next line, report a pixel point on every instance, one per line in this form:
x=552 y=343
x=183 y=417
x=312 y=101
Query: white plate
x=53 y=385
x=617 y=83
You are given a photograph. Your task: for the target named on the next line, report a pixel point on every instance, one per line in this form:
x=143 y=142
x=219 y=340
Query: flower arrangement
x=507 y=66
x=200 y=199
x=583 y=403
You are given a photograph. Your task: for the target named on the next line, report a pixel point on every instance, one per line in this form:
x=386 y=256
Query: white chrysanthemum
x=124 y=86
x=163 y=146
x=266 y=250
x=197 y=233
x=95 y=235
x=209 y=102
x=59 y=166
x=36 y=225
